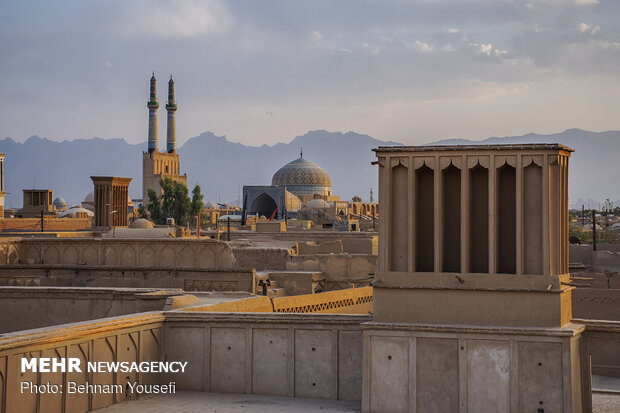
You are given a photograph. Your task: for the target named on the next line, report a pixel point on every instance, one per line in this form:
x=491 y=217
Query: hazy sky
x=266 y=71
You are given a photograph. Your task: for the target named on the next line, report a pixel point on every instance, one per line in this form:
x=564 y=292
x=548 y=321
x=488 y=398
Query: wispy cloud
x=176 y=18
x=423 y=47
x=586 y=2
x=372 y=48
x=301 y=59
x=587 y=28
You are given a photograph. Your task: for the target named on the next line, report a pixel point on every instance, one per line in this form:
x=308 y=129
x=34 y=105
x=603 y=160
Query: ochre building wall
x=49 y=224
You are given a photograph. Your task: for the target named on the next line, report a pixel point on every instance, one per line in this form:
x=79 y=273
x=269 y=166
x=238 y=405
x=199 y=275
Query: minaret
x=171 y=107
x=153 y=105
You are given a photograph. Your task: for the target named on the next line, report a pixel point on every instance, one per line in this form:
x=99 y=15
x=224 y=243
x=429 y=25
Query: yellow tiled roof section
x=349 y=301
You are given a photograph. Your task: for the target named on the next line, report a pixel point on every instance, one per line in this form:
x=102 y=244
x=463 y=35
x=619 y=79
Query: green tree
x=197 y=203
x=181 y=205
x=142 y=211
x=153 y=206
x=174 y=202
x=167 y=199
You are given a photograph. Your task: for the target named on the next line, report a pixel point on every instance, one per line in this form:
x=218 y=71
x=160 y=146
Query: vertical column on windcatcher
x=153 y=105
x=171 y=107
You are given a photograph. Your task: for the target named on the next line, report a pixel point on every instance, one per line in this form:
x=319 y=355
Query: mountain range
x=222 y=167
x=594 y=168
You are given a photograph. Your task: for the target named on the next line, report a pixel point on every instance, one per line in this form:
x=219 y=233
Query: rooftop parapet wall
x=188 y=279
x=137 y=337
x=295 y=355
x=182 y=253
x=352 y=242
x=66 y=305
x=299 y=355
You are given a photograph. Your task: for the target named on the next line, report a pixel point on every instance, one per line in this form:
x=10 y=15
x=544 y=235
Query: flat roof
x=111 y=179
x=497 y=147
x=194 y=401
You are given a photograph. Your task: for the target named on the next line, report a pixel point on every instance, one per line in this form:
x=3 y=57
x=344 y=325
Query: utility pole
x=593 y=230
x=41 y=220
x=583 y=216
x=228 y=229
x=113 y=225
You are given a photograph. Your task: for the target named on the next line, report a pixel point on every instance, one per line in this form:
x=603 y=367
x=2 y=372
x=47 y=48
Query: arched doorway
x=264 y=205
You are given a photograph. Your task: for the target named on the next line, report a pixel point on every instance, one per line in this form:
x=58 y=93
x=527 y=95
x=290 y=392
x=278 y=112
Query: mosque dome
x=60 y=204
x=303 y=177
x=210 y=205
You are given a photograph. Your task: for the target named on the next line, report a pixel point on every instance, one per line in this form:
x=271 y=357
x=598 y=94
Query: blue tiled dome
x=301 y=172
x=59 y=203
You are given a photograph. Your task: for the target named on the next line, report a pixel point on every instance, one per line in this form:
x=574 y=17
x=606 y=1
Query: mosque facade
x=291 y=187
x=300 y=188
x=155 y=164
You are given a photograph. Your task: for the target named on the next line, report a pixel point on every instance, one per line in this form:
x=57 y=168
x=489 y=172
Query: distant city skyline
x=264 y=72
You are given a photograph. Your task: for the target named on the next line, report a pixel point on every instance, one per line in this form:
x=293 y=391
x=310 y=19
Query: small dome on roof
x=141 y=223
x=317 y=203
x=60 y=204
x=89 y=201
x=75 y=210
x=210 y=205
